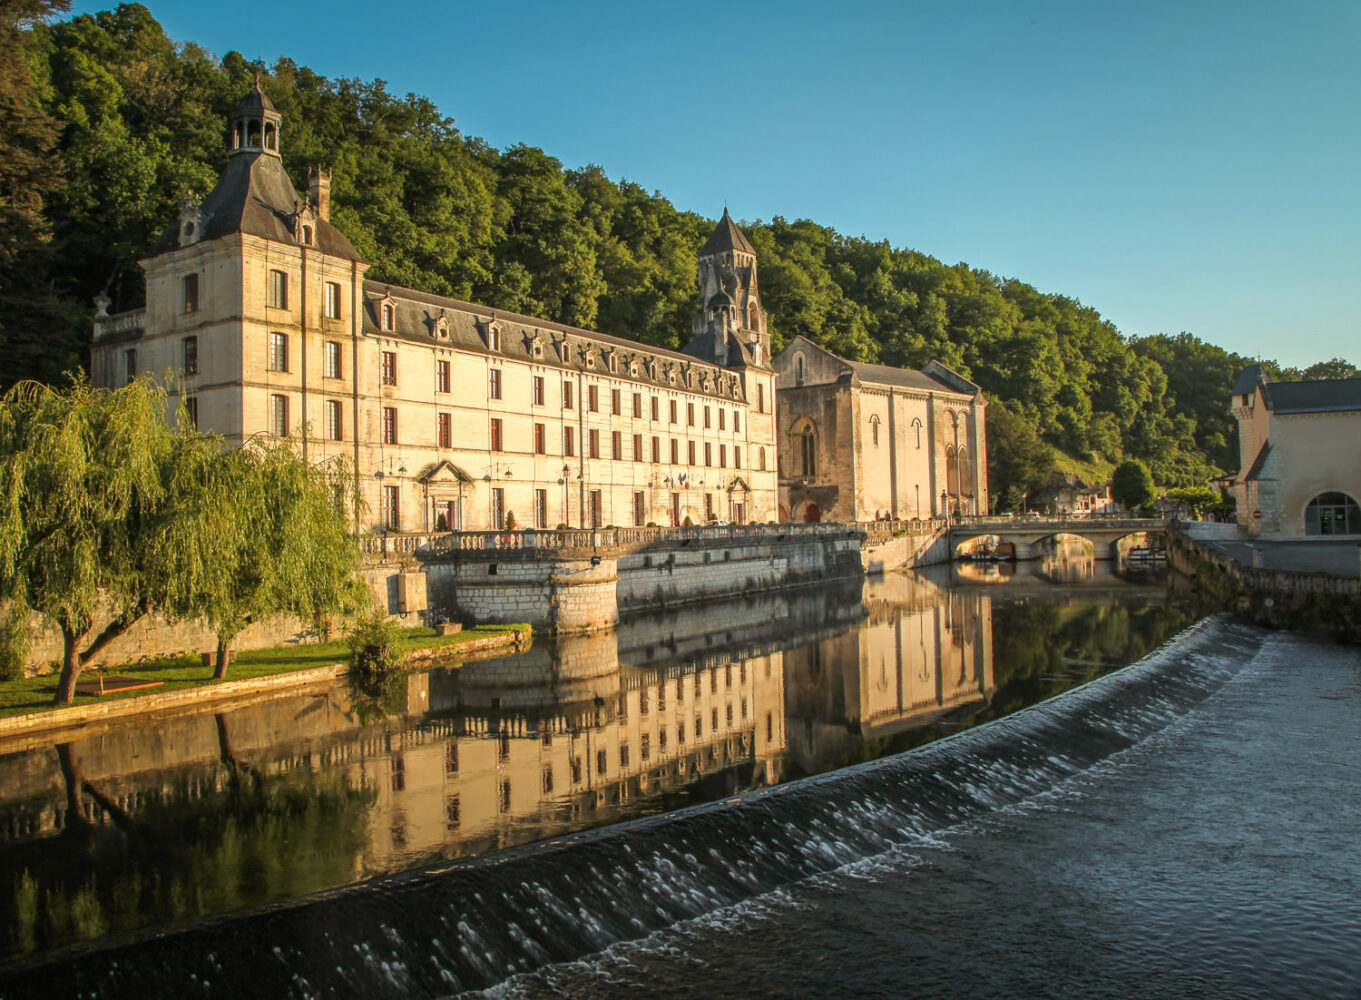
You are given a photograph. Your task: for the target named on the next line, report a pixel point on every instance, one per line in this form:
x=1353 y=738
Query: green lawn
x=35 y=693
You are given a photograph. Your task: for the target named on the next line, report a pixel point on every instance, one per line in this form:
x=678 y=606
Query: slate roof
x=1326 y=396
x=1248 y=379
x=888 y=375
x=255 y=195
x=254 y=102
x=726 y=236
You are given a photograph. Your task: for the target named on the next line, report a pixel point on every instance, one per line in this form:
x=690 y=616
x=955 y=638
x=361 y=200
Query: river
x=972 y=783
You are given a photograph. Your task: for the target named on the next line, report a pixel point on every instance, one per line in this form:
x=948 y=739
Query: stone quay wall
x=579 y=581
x=1313 y=602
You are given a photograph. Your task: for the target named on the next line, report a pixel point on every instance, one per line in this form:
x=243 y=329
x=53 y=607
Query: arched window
x=387 y=317
x=951 y=469
x=307 y=235
x=962 y=484
x=253 y=133
x=917 y=426
x=753 y=317
x=763 y=459
x=874 y=430
x=798 y=369
x=1332 y=514
x=808 y=451
x=271 y=136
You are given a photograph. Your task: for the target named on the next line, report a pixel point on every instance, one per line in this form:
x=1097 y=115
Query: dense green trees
x=1132 y=484
x=111 y=513
x=132 y=120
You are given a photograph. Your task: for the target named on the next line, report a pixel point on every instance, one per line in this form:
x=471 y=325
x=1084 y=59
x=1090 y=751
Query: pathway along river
x=1182 y=827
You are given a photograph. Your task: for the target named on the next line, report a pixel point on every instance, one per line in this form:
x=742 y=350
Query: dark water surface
x=1012 y=856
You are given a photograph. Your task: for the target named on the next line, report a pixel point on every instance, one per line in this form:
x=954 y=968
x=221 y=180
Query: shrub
x=373 y=648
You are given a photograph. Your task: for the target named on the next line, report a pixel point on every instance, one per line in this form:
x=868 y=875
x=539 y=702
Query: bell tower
x=255 y=124
x=730 y=317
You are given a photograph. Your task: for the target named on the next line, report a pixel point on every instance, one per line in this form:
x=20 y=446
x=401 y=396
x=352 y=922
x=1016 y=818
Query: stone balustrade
x=132 y=319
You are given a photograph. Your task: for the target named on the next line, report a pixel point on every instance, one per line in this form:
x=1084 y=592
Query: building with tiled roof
x=451 y=414
x=1299 y=448
x=859 y=442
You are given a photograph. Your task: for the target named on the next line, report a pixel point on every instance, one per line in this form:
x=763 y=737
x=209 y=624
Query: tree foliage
x=115 y=122
x=1132 y=484
x=112 y=512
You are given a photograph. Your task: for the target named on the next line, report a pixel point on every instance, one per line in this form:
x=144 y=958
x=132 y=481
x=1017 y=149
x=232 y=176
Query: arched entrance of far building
x=807 y=513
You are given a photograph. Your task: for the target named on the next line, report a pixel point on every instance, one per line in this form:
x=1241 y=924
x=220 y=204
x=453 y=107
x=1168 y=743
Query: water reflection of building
x=924 y=652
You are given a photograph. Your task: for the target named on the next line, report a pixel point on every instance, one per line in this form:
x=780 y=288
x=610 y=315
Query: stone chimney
x=319 y=192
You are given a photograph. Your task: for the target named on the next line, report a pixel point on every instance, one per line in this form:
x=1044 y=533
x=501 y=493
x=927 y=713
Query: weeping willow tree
x=111 y=512
x=291 y=551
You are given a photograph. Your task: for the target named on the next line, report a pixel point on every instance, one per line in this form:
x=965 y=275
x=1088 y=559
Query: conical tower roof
x=726 y=237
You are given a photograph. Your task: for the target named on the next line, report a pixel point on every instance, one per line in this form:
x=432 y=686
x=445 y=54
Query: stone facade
x=452 y=414
x=1300 y=456
x=861 y=442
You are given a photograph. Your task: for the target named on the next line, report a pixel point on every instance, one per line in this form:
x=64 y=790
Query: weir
x=471 y=924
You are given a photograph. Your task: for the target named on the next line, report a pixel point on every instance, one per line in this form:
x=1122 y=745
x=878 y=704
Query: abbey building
x=455 y=415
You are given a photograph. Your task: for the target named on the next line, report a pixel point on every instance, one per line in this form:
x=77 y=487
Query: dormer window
x=493 y=336
x=389 y=316
x=590 y=358
x=307 y=235
x=536 y=346
x=442 y=328
x=613 y=361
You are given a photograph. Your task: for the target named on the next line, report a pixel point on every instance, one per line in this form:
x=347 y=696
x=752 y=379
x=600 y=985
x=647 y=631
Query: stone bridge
x=1028 y=535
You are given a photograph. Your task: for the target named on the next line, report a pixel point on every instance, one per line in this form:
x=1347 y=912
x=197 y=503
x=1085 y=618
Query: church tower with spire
x=730 y=327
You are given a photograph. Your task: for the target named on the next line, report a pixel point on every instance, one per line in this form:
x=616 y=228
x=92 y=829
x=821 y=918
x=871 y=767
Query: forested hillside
x=109 y=123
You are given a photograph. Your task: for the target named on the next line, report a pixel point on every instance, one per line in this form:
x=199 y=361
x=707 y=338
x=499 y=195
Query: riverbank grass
x=34 y=694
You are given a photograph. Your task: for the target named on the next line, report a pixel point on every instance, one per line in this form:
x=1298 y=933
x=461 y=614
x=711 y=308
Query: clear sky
x=1176 y=165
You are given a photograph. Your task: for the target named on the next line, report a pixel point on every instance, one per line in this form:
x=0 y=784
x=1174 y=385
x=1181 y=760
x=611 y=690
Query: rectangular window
x=389 y=425
x=278 y=415
x=498 y=508
x=191 y=407
x=637 y=404
x=190 y=350
x=706 y=418
x=638 y=455
x=656 y=450
x=494 y=383
x=708 y=453
x=191 y=293
x=720 y=419
x=592 y=398
x=760 y=398
x=689 y=414
x=567 y=395
x=496 y=439
x=673 y=411
x=278 y=352
x=493 y=337
x=675 y=519
x=129 y=366
x=596 y=517
x=736 y=422
x=655 y=403
x=690 y=452
x=709 y=516
x=334 y=427
x=594 y=444
x=538 y=390
x=623 y=755
x=441 y=376
x=540 y=439
x=446 y=430
x=736 y=457
x=600 y=762
x=616 y=445
x=540 y=508
x=332 y=300
x=568 y=443
x=722 y=455
x=278 y=289
x=333 y=359
x=389 y=367
x=675 y=452
x=639 y=510
x=614 y=401
x=391 y=515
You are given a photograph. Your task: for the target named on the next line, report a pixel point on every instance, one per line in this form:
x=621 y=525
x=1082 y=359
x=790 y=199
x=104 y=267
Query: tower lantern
x=255 y=124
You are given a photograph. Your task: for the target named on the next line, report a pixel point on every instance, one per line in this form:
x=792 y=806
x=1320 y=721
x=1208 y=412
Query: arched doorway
x=811 y=514
x=1332 y=514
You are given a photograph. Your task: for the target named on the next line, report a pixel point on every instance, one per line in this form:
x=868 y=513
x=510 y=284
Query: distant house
x=1068 y=494
x=1299 y=449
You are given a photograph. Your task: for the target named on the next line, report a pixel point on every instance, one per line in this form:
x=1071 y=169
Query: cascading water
x=471 y=924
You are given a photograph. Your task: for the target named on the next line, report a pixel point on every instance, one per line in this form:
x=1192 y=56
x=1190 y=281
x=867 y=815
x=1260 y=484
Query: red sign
x=1257 y=515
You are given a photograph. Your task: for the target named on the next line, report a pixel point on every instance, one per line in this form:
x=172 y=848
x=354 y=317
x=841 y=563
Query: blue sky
x=1177 y=166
